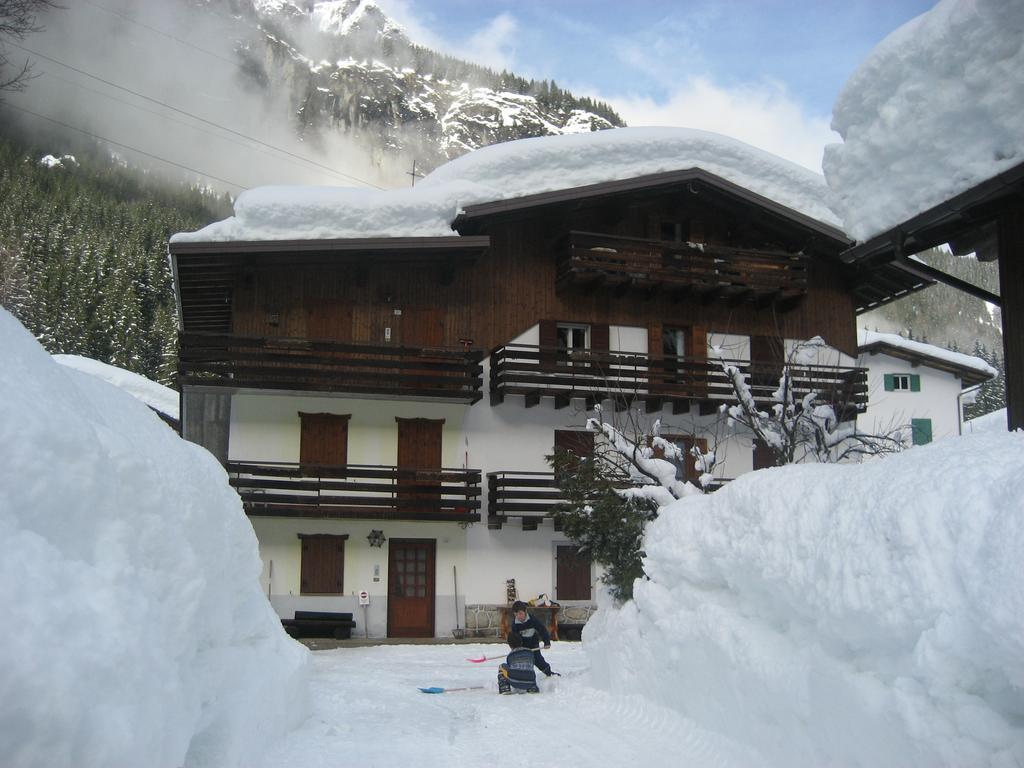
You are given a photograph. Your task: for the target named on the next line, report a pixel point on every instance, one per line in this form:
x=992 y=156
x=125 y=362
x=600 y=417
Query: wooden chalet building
x=384 y=405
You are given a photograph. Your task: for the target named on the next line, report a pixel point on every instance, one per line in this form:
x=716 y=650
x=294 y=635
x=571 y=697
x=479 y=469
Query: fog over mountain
x=250 y=92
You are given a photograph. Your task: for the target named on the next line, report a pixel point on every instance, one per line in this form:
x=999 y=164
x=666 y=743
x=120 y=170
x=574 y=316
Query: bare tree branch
x=18 y=19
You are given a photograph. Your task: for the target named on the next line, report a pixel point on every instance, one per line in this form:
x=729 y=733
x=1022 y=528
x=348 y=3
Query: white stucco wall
x=508 y=436
x=937 y=399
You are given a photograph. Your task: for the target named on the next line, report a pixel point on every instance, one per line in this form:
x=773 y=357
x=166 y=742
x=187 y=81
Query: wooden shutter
x=322 y=570
x=572 y=573
x=600 y=341
x=686 y=442
x=764 y=457
x=323 y=438
x=921 y=431
x=696 y=342
x=915 y=382
x=548 y=341
x=656 y=355
x=890 y=381
x=575 y=441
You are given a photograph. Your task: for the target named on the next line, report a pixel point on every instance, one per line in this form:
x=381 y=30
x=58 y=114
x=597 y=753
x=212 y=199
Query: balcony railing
x=356 y=491
x=622 y=377
x=281 y=363
x=531 y=496
x=683 y=268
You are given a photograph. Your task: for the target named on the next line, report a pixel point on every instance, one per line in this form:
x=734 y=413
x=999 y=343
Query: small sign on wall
x=364 y=597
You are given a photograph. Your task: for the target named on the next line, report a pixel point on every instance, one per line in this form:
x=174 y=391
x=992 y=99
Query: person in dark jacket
x=516 y=675
x=533 y=633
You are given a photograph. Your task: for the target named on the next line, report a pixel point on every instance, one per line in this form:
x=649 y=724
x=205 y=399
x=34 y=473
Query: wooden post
x=1011 y=290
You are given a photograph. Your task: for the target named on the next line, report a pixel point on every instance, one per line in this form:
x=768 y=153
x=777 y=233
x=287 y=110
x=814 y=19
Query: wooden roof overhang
x=870 y=287
x=205 y=272
x=966 y=220
x=990 y=217
x=969 y=376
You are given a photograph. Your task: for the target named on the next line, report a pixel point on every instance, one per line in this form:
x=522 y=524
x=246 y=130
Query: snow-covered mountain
x=344 y=65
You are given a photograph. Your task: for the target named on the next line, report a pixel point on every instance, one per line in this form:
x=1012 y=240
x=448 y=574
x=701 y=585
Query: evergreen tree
x=83 y=253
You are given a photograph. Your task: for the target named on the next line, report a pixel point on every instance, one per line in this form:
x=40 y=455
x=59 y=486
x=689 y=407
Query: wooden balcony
x=292 y=364
x=626 y=378
x=356 y=492
x=708 y=272
x=531 y=496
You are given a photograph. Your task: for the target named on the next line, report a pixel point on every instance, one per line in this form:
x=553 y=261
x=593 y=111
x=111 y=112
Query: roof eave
x=649 y=181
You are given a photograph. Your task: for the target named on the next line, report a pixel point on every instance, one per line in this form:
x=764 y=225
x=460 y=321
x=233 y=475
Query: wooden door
x=419 y=464
x=572 y=573
x=411 y=578
x=323 y=439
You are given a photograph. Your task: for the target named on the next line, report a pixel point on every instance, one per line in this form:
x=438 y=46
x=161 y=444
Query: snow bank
x=990 y=422
x=510 y=170
x=135 y=630
x=854 y=615
x=935 y=109
x=156 y=396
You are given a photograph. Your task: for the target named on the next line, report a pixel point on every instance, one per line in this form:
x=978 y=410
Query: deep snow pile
x=509 y=170
x=135 y=632
x=856 y=615
x=935 y=109
x=156 y=396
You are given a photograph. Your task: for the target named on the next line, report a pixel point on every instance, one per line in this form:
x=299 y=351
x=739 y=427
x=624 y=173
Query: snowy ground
x=367 y=711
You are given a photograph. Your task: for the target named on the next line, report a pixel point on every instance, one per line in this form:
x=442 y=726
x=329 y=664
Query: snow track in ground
x=367 y=711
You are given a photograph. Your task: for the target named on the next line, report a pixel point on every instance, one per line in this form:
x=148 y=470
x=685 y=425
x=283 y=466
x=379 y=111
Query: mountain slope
x=345 y=66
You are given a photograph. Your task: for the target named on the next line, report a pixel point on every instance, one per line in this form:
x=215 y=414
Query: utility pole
x=415 y=175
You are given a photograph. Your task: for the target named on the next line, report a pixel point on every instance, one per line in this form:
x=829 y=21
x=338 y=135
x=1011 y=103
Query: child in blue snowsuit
x=516 y=675
x=533 y=633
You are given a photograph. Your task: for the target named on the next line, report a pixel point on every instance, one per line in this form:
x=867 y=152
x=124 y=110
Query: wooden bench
x=319 y=624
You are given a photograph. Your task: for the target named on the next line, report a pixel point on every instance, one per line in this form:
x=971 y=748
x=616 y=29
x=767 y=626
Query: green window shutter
x=922 y=431
x=915 y=383
x=890 y=384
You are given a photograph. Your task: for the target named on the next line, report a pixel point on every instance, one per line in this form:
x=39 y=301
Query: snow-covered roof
x=919 y=350
x=934 y=110
x=158 y=397
x=511 y=170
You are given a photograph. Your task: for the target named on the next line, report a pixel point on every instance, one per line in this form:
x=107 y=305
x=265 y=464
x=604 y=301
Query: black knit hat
x=519 y=605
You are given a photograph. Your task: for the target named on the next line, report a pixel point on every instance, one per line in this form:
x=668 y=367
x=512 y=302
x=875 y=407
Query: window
x=571 y=341
x=322 y=570
x=921 y=431
x=902 y=382
x=572 y=338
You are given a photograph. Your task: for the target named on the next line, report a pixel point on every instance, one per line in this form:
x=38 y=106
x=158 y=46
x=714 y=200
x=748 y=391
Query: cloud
x=493 y=45
x=763 y=114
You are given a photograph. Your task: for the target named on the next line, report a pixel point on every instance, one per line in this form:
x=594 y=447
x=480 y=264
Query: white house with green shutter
x=916 y=386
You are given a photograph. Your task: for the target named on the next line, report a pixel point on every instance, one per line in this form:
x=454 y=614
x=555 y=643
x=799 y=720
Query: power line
x=168 y=35
x=162 y=116
x=194 y=117
x=125 y=146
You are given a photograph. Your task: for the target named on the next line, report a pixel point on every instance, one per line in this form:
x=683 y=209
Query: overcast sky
x=764 y=71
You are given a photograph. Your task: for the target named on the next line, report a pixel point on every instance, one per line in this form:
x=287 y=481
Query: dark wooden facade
x=484 y=296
